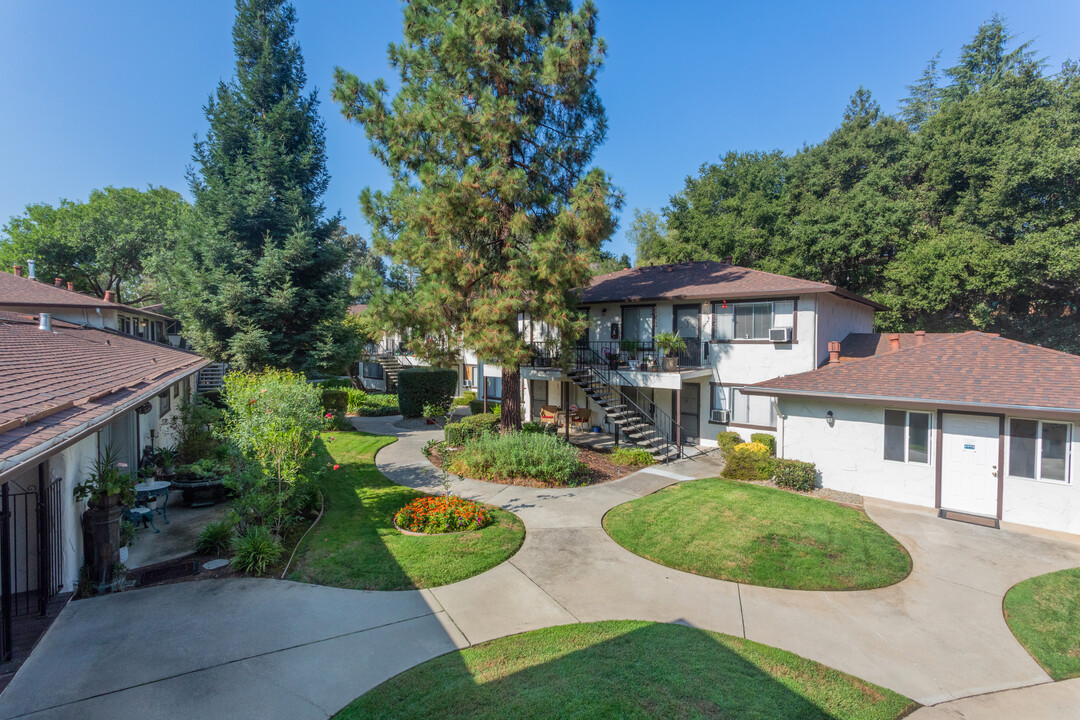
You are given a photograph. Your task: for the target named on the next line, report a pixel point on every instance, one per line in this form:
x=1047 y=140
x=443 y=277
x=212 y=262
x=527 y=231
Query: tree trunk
x=511 y=399
x=354 y=376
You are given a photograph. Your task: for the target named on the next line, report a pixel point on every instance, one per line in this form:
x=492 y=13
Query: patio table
x=151 y=490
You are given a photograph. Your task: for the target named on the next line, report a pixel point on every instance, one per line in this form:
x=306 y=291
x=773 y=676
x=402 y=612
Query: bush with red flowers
x=442 y=514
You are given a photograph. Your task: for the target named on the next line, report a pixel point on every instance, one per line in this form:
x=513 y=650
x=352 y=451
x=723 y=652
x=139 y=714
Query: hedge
x=795 y=474
x=335 y=400
x=728 y=440
x=420 y=386
x=767 y=440
x=472 y=427
x=477 y=406
x=748 y=461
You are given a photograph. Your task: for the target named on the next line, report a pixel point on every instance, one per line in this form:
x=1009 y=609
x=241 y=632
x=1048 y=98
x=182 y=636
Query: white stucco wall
x=850 y=454
x=1046 y=504
x=837 y=318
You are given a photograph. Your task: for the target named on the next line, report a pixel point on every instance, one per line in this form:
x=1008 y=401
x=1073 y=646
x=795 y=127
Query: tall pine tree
x=257 y=277
x=489 y=141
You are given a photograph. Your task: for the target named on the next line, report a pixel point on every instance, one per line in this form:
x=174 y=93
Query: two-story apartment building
x=740 y=326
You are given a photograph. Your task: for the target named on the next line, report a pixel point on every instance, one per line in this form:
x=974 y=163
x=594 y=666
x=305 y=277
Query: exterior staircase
x=391 y=367
x=629 y=418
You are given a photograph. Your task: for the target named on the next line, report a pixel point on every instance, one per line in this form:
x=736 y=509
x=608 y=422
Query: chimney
x=71 y=286
x=834 y=353
x=18 y=271
x=45 y=322
x=894 y=342
x=110 y=296
x=58 y=282
x=920 y=337
x=727 y=260
x=30 y=270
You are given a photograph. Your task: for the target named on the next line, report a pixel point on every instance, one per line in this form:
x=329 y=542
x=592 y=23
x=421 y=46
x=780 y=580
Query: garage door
x=969 y=458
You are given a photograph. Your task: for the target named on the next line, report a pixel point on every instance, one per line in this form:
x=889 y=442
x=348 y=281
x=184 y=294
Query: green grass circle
x=356 y=545
x=1044 y=614
x=759 y=535
x=625 y=669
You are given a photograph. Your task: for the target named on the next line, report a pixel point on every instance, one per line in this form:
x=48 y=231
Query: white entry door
x=969 y=459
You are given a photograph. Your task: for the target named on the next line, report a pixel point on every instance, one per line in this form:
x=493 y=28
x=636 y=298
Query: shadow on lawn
x=624 y=669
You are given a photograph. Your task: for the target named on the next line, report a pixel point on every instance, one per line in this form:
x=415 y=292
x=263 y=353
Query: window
x=493 y=387
x=176 y=390
x=751 y=321
x=470 y=376
x=719 y=398
x=638 y=324
x=164 y=404
x=752 y=409
x=907 y=436
x=373 y=371
x=1039 y=450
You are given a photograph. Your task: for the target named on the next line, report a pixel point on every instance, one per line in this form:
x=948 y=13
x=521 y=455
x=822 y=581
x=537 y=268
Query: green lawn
x=355 y=545
x=759 y=536
x=1044 y=615
x=625 y=669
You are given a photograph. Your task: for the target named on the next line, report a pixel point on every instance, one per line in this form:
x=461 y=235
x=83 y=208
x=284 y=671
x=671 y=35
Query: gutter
x=758 y=390
x=43 y=451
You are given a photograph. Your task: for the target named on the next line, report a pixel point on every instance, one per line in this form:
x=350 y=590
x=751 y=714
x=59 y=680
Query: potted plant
x=166 y=458
x=127 y=539
x=671 y=345
x=612 y=358
x=106 y=489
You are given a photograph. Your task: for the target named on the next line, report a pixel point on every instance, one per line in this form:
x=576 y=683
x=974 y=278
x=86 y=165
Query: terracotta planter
x=669 y=364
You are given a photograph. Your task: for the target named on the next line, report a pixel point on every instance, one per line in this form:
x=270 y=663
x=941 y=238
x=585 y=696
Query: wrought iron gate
x=31 y=555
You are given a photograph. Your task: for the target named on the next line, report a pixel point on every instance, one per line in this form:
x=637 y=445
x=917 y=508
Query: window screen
x=1023 y=437
x=918 y=437
x=1055 y=440
x=895 y=430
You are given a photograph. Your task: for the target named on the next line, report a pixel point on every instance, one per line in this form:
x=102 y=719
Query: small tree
x=274 y=418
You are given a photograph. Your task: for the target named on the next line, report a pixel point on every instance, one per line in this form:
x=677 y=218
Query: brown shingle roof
x=969 y=368
x=863 y=345
x=24 y=292
x=701 y=281
x=357 y=310
x=52 y=382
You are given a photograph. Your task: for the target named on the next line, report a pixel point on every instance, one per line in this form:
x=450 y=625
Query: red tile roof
x=24 y=292
x=701 y=281
x=969 y=368
x=53 y=382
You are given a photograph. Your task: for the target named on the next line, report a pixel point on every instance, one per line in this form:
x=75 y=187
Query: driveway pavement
x=264 y=648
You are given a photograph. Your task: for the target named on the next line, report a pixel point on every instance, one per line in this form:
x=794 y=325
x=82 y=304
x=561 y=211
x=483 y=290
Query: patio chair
x=142 y=515
x=548 y=413
x=582 y=417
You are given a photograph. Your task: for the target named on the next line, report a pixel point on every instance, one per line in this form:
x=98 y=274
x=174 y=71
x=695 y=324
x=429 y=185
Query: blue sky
x=111 y=92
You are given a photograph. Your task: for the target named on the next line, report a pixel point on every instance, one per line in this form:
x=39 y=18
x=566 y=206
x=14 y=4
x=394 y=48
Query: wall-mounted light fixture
x=829 y=418
x=603 y=311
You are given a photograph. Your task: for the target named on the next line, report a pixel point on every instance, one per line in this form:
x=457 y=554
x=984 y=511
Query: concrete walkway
x=263 y=648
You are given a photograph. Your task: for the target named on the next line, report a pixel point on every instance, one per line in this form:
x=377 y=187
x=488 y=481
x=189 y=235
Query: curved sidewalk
x=252 y=648
x=936 y=636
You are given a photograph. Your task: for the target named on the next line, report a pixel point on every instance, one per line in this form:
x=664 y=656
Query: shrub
x=417 y=386
x=633 y=457
x=535 y=456
x=256 y=550
x=377 y=405
x=535 y=427
x=748 y=461
x=338 y=422
x=444 y=514
x=466 y=398
x=471 y=428
x=194 y=428
x=795 y=474
x=274 y=418
x=476 y=407
x=433 y=410
x=769 y=441
x=727 y=441
x=335 y=400
x=216 y=538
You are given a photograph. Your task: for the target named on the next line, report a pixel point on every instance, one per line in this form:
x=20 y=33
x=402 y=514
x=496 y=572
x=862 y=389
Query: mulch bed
x=836 y=496
x=600 y=470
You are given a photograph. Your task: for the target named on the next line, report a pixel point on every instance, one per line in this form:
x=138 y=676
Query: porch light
x=829 y=418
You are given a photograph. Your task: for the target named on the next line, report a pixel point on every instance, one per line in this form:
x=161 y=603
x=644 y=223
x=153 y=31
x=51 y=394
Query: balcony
x=624 y=355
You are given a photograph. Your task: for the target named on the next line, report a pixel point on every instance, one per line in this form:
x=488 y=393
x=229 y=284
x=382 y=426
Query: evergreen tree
x=488 y=140
x=924 y=98
x=987 y=60
x=258 y=276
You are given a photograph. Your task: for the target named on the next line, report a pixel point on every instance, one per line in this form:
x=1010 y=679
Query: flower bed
x=443 y=514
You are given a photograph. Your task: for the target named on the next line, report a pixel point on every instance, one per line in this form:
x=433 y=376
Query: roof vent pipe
x=920 y=337
x=110 y=296
x=834 y=353
x=71 y=286
x=894 y=342
x=727 y=260
x=18 y=270
x=45 y=322
x=30 y=270
x=58 y=282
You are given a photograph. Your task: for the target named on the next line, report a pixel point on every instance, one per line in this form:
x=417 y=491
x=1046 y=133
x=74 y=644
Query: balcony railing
x=625 y=355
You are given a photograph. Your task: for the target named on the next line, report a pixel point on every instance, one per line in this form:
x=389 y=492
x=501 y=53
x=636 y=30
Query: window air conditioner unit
x=780 y=334
x=721 y=417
